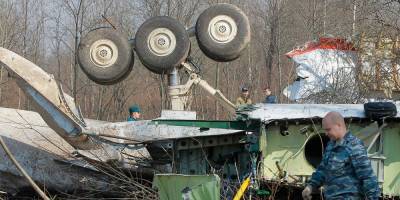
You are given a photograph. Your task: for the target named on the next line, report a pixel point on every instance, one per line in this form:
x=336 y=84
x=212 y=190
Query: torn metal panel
x=28 y=127
x=148 y=130
x=185 y=142
x=324 y=65
x=45 y=156
x=270 y=112
x=57 y=108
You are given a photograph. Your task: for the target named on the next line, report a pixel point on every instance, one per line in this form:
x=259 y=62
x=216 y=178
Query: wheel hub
x=161 y=41
x=103 y=53
x=222 y=29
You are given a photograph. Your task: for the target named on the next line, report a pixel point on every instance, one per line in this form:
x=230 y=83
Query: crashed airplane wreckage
x=62 y=151
x=58 y=147
x=279 y=144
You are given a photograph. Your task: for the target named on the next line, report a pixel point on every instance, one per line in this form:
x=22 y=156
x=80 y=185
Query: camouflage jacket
x=345 y=171
x=243 y=101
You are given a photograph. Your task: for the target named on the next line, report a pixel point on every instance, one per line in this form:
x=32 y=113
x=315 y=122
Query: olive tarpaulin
x=187 y=187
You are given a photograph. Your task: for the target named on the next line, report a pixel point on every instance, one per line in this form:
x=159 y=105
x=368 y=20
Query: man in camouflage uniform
x=244 y=98
x=345 y=170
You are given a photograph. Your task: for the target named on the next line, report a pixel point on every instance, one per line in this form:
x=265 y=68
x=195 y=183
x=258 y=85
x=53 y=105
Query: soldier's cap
x=134 y=108
x=245 y=89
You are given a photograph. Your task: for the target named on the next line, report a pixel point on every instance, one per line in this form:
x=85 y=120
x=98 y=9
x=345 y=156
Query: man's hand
x=307 y=193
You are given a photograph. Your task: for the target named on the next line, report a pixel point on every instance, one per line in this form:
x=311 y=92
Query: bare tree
x=277 y=26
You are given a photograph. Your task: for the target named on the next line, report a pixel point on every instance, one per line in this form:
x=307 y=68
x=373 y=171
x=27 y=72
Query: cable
x=33 y=184
x=298 y=151
x=320 y=138
x=133 y=146
x=120 y=137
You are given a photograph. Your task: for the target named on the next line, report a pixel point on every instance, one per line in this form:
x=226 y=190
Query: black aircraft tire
x=161 y=44
x=223 y=32
x=105 y=56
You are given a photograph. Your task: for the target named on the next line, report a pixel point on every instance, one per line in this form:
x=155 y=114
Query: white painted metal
x=148 y=131
x=222 y=29
x=161 y=41
x=178 y=114
x=177 y=102
x=323 y=69
x=56 y=107
x=180 y=92
x=46 y=156
x=103 y=53
x=268 y=112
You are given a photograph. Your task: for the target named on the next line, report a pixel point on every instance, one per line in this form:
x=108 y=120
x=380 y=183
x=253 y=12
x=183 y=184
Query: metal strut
x=57 y=108
x=179 y=93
